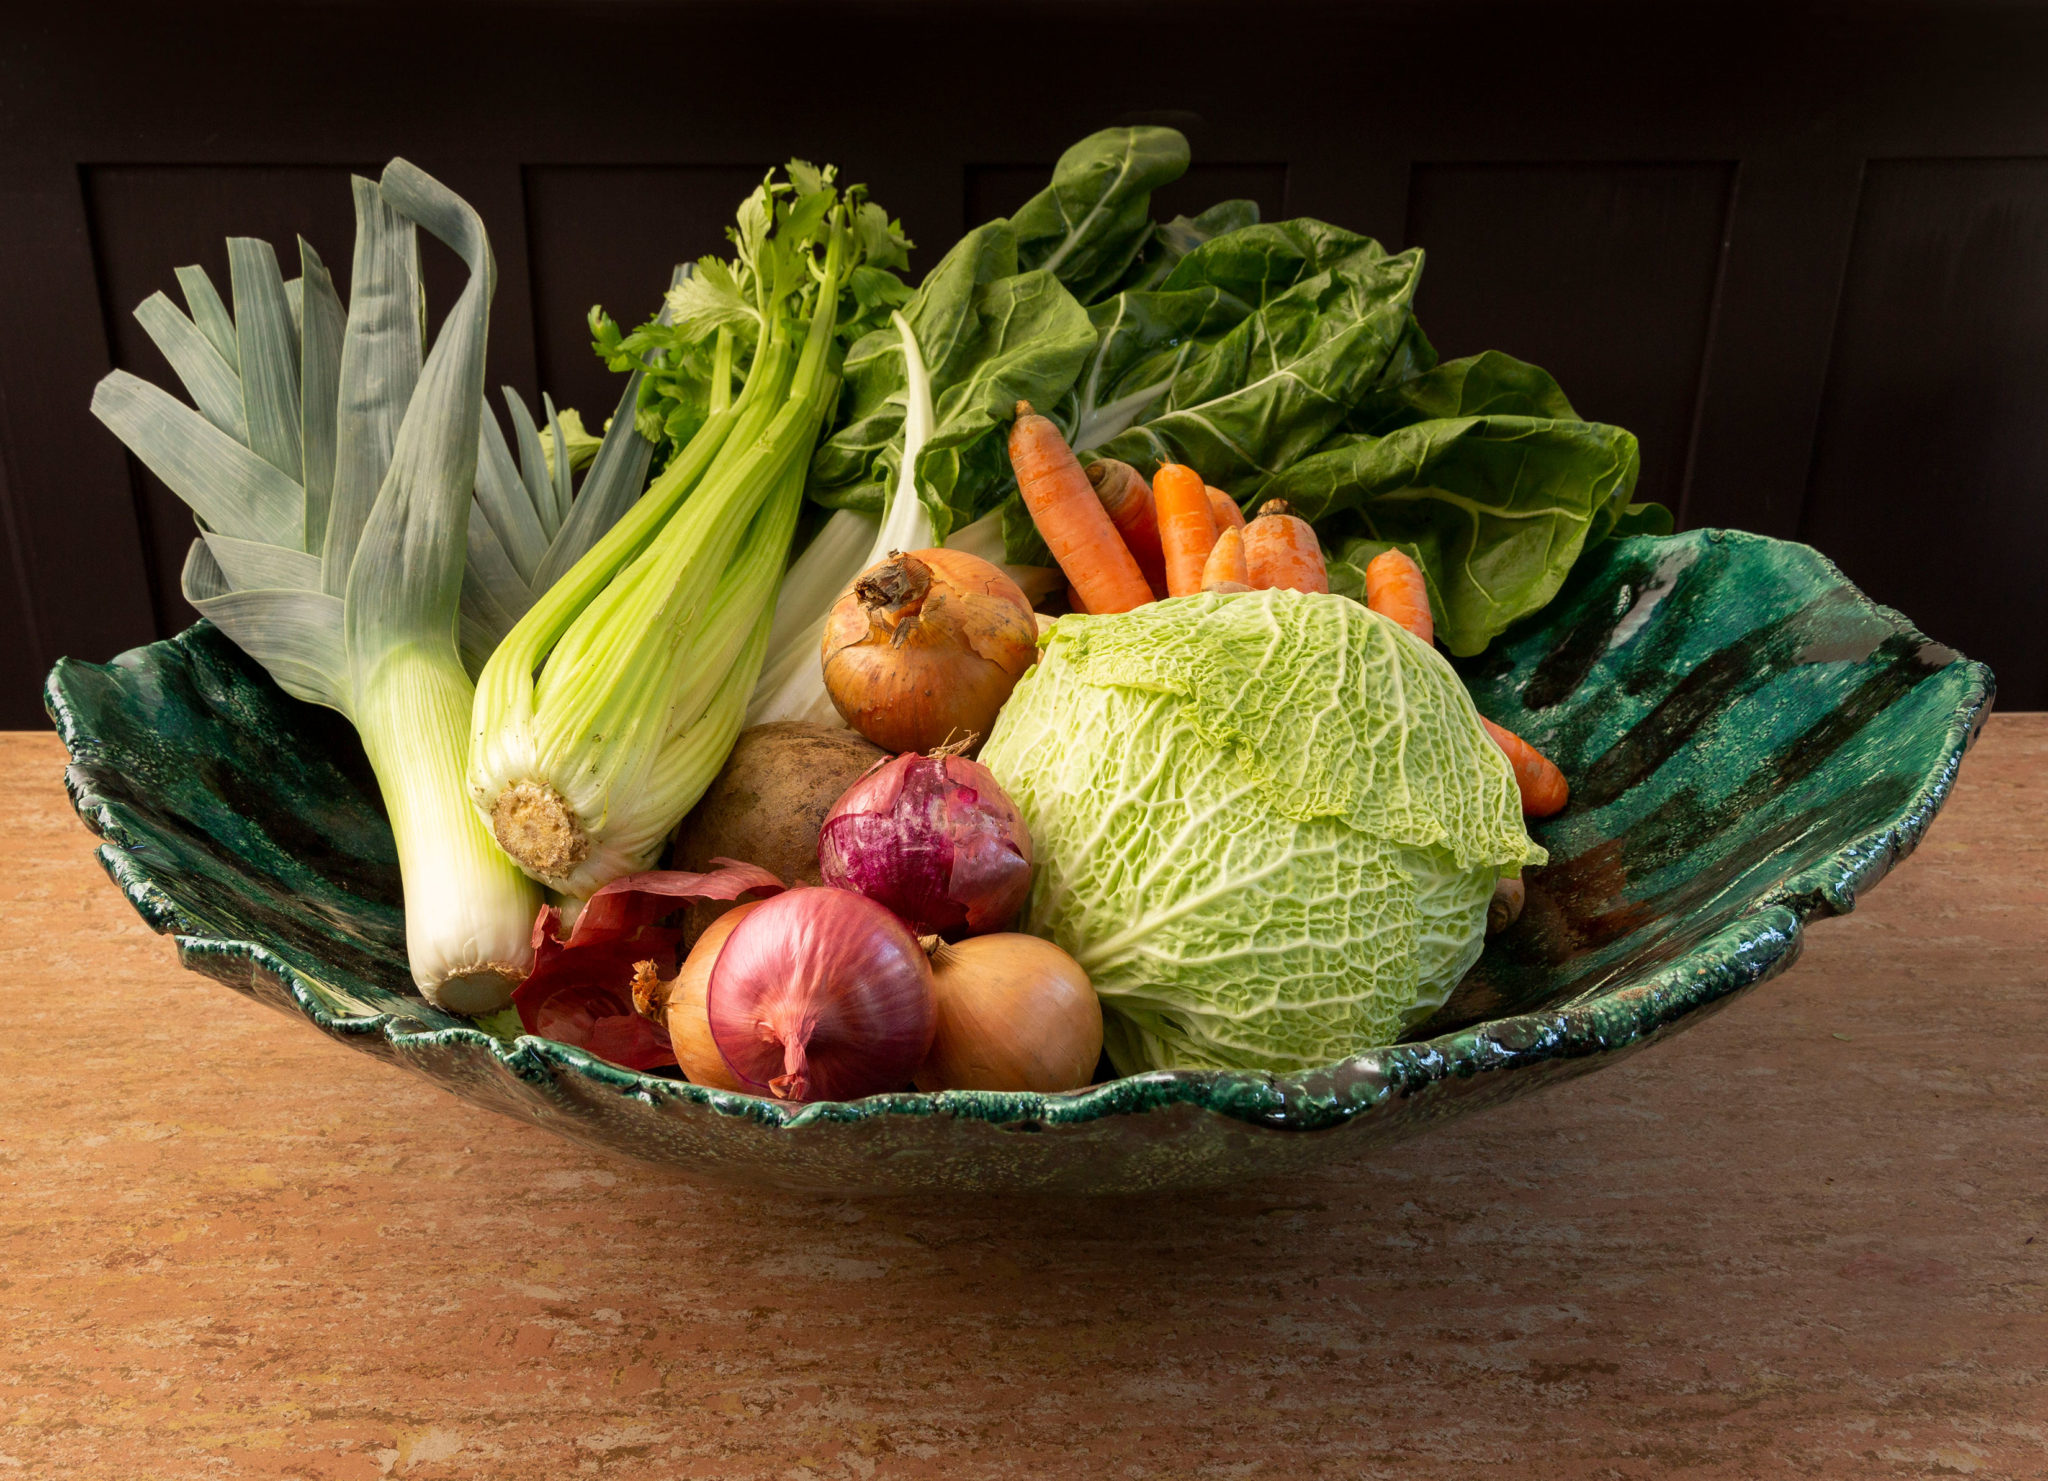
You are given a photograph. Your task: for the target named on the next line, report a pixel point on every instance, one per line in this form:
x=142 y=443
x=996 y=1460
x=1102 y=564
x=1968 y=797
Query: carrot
x=1544 y=789
x=1282 y=553
x=1074 y=602
x=1224 y=570
x=1071 y=519
x=1228 y=515
x=1187 y=526
x=1395 y=587
x=1128 y=499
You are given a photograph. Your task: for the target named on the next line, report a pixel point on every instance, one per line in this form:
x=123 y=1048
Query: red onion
x=933 y=838
x=581 y=988
x=822 y=994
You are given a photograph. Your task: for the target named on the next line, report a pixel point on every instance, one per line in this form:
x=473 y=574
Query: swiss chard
x=1483 y=474
x=1089 y=225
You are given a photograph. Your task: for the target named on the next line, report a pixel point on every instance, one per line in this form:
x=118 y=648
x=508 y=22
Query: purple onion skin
x=936 y=840
x=826 y=997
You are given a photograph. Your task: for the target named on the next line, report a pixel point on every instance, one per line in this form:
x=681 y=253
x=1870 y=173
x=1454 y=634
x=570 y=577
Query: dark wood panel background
x=1801 y=250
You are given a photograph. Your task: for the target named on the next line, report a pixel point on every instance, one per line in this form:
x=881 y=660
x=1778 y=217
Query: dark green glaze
x=1751 y=743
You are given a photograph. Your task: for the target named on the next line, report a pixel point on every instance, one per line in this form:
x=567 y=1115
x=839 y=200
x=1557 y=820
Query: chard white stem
x=792 y=685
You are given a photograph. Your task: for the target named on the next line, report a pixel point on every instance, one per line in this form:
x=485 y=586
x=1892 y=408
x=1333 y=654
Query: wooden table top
x=1808 y=1237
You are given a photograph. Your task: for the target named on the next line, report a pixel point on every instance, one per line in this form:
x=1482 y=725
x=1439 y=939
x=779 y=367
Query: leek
x=607 y=710
x=334 y=462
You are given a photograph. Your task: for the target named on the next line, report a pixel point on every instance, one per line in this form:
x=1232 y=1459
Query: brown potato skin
x=768 y=803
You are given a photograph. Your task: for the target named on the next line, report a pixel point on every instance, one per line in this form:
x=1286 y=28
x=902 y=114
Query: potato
x=768 y=803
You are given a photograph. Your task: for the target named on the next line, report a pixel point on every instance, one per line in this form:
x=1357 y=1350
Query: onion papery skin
x=934 y=838
x=688 y=1018
x=923 y=649
x=826 y=997
x=1015 y=1013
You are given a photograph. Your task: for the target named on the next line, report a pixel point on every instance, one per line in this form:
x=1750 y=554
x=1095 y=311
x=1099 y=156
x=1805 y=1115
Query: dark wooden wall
x=1801 y=250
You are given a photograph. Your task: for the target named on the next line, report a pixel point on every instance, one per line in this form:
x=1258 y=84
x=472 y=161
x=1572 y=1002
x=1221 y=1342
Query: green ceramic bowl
x=1751 y=745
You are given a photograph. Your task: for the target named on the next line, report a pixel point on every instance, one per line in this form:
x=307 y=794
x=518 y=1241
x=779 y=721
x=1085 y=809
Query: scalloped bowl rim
x=1758 y=944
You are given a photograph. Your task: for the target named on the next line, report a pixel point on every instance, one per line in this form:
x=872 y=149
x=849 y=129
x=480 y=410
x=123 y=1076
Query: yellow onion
x=1014 y=1013
x=679 y=1004
x=924 y=648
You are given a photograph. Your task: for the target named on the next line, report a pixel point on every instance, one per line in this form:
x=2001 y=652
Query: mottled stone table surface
x=1807 y=1238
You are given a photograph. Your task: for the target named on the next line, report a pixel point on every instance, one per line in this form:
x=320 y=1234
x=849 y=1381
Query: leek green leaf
x=226 y=484
x=323 y=325
x=380 y=366
x=269 y=354
x=212 y=383
x=202 y=299
x=246 y=563
x=506 y=501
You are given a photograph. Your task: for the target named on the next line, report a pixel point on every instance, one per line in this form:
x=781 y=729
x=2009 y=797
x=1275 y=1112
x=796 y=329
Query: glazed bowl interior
x=1751 y=744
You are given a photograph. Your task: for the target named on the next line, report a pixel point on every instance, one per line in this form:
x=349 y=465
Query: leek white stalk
x=611 y=705
x=333 y=471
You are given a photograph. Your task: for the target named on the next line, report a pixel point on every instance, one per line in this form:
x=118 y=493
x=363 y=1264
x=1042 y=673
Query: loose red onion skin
x=827 y=997
x=936 y=840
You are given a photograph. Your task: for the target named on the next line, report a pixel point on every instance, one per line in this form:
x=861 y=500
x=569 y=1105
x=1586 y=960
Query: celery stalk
x=604 y=714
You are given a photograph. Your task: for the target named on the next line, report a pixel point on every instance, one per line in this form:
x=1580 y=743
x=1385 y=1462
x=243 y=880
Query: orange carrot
x=1228 y=515
x=1395 y=587
x=1128 y=499
x=1074 y=602
x=1544 y=789
x=1224 y=570
x=1187 y=526
x=1282 y=553
x=1071 y=519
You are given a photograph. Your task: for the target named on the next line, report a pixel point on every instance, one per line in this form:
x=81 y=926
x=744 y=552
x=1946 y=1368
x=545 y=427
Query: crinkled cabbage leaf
x=1267 y=825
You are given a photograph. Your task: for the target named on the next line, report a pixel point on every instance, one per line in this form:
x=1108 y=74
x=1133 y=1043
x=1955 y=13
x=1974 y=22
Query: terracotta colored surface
x=1808 y=1237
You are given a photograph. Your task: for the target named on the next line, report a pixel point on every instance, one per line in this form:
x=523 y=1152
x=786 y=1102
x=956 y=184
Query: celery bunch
x=606 y=711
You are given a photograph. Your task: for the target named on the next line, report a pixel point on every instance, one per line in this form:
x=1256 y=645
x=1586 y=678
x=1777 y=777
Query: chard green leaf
x=1277 y=383
x=1090 y=223
x=269 y=355
x=1649 y=518
x=1496 y=509
x=990 y=337
x=1030 y=339
x=1143 y=340
x=1172 y=240
x=1486 y=384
